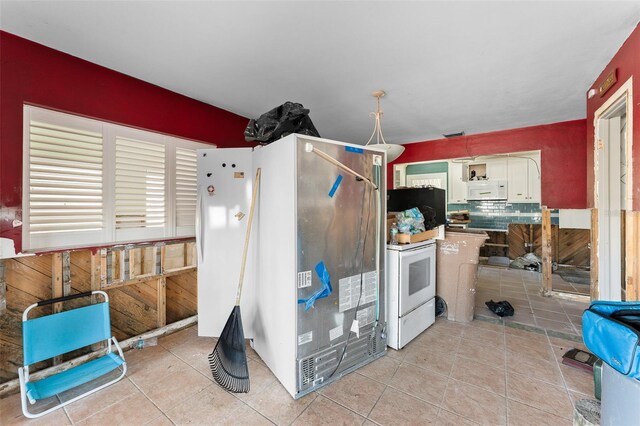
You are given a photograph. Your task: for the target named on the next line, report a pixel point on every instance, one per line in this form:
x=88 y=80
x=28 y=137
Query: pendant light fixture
x=393 y=151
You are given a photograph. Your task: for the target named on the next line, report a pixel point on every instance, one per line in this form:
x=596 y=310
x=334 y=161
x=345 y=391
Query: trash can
x=620 y=398
x=457 y=271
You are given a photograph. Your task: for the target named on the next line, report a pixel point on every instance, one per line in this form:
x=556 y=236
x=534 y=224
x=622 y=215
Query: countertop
x=488 y=229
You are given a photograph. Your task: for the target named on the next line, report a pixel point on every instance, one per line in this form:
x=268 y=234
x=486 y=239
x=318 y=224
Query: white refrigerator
x=314 y=299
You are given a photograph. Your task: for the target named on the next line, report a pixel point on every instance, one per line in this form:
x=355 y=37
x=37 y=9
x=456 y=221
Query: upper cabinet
x=457 y=192
x=524 y=179
x=497 y=169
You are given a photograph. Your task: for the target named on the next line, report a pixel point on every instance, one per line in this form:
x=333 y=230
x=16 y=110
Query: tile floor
x=559 y=317
x=452 y=374
x=560 y=284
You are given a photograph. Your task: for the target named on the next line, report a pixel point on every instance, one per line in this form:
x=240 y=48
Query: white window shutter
x=65 y=185
x=140 y=200
x=89 y=182
x=186 y=191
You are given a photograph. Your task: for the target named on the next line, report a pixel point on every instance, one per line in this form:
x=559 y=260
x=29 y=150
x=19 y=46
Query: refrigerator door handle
x=199 y=227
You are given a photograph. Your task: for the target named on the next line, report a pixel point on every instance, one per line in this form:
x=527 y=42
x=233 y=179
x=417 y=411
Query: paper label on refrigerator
x=365 y=316
x=305 y=338
x=355 y=327
x=336 y=332
x=349 y=289
x=304 y=279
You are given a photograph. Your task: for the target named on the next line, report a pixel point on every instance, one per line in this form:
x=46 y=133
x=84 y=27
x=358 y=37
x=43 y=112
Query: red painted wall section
x=34 y=74
x=626 y=62
x=563 y=156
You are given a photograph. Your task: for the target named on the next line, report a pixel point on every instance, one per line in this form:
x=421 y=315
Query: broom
x=228 y=361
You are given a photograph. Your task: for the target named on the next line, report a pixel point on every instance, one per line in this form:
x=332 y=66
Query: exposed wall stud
x=547 y=251
x=66 y=273
x=162 y=302
x=594 y=288
x=57 y=289
x=632 y=250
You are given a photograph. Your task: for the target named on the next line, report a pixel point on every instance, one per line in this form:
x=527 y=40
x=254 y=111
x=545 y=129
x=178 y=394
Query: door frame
x=601 y=267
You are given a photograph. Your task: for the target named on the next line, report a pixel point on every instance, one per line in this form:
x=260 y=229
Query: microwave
x=487 y=190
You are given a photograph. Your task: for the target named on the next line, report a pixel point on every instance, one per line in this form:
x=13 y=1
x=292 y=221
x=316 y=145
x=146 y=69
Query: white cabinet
x=497 y=169
x=399 y=175
x=524 y=180
x=457 y=192
x=535 y=183
x=518 y=185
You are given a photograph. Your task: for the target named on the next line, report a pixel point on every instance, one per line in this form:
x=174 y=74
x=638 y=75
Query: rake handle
x=256 y=185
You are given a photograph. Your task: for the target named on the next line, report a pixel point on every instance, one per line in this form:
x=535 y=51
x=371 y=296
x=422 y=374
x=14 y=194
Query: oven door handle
x=422 y=253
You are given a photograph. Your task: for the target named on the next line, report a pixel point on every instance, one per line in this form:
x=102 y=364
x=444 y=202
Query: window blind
x=139 y=184
x=65 y=179
x=186 y=190
x=88 y=182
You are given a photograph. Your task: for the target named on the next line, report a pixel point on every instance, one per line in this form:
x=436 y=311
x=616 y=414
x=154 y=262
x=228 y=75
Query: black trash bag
x=281 y=121
x=429 y=214
x=502 y=309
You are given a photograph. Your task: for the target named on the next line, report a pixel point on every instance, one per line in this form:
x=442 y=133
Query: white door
x=610 y=195
x=224 y=197
x=417 y=277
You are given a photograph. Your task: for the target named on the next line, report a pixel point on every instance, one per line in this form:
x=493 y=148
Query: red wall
x=563 y=156
x=34 y=74
x=627 y=63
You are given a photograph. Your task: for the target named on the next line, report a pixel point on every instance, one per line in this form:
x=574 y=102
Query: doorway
x=612 y=193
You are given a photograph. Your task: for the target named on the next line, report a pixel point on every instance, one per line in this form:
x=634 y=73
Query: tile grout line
x=564 y=381
x=339 y=403
x=108 y=406
x=378 y=400
x=506 y=384
x=183 y=399
x=301 y=413
x=67 y=414
x=151 y=401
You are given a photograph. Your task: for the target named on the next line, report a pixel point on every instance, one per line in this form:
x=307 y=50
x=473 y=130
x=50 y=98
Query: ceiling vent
x=454 y=135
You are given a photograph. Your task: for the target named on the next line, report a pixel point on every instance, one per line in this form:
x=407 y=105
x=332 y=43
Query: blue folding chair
x=52 y=335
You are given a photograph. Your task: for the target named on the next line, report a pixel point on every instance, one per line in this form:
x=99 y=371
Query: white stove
x=404 y=247
x=411 y=290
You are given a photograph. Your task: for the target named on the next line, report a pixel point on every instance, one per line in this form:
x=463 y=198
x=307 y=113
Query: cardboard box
x=416 y=238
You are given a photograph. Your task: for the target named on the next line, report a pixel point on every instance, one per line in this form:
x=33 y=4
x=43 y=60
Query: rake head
x=228 y=361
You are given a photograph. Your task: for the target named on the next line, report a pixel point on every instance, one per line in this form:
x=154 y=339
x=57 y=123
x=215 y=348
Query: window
x=437 y=180
x=140 y=188
x=186 y=191
x=88 y=182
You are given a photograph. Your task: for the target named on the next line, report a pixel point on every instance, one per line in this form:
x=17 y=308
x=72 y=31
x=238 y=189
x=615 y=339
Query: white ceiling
x=446 y=66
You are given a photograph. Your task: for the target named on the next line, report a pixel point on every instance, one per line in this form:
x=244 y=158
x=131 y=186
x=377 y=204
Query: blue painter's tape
x=325 y=291
x=335 y=186
x=354 y=149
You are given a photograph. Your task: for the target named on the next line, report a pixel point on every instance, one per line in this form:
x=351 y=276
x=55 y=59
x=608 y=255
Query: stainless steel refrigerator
x=318 y=236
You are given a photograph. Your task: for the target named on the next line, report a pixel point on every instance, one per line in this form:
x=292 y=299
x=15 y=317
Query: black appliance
x=403 y=199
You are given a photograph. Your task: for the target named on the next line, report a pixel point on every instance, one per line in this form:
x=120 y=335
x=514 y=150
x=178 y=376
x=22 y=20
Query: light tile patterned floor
x=452 y=374
x=562 y=318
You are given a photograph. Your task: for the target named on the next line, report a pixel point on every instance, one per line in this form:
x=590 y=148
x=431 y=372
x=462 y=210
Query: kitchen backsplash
x=499 y=214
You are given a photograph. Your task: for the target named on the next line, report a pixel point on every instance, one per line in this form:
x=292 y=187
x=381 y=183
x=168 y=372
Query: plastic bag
x=410 y=221
x=502 y=309
x=526 y=262
x=281 y=121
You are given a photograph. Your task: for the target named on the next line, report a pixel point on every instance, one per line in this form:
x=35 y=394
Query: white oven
x=411 y=289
